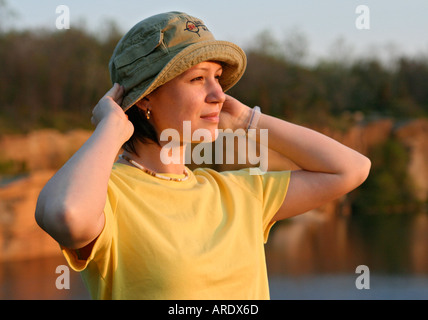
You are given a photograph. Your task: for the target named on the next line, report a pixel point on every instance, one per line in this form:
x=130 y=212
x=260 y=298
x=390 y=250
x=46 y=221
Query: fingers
x=93 y=118
x=121 y=92
x=116 y=92
x=110 y=101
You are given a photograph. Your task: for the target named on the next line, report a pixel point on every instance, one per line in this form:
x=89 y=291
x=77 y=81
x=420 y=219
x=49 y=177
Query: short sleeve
x=275 y=187
x=102 y=244
x=270 y=188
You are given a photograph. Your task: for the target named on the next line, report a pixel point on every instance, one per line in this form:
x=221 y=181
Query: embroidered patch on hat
x=195 y=27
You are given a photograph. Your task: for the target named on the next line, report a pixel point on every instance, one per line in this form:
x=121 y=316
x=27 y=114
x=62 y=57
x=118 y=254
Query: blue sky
x=396 y=26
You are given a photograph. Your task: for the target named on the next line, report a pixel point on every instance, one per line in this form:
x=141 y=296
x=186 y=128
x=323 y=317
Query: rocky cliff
x=41 y=153
x=414 y=135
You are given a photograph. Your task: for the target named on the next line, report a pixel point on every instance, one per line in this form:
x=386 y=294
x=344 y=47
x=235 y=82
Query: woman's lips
x=213 y=117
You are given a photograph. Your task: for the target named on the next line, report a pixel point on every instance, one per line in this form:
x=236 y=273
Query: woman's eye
x=201 y=78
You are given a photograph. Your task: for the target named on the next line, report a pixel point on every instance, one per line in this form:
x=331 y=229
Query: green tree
x=388 y=188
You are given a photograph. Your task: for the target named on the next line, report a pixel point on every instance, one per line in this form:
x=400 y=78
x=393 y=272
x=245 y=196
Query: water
x=309 y=257
x=342 y=287
x=36 y=279
x=316 y=257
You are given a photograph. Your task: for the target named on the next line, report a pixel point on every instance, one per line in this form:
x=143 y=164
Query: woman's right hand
x=108 y=108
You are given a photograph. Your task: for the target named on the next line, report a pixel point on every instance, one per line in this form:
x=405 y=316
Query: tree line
x=53 y=79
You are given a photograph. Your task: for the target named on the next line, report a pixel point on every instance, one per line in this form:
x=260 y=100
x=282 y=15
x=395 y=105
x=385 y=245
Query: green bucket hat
x=161 y=47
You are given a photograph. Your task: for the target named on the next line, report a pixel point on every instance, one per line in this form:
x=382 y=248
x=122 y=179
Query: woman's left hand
x=234 y=114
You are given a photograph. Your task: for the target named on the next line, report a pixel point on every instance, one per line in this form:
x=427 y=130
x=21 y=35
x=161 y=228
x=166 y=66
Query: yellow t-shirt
x=202 y=238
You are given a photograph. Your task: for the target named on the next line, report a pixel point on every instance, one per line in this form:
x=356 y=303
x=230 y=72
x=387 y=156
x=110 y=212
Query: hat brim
x=230 y=55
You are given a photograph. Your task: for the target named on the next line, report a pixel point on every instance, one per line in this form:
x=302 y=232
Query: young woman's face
x=195 y=96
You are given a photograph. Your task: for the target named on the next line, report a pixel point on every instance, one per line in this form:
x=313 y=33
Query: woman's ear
x=143 y=104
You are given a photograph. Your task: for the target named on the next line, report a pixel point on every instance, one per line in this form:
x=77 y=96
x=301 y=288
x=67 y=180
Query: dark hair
x=143 y=129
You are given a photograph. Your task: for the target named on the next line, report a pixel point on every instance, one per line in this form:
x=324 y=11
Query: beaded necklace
x=152 y=173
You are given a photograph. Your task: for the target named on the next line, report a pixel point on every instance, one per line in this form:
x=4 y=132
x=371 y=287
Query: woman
x=144 y=228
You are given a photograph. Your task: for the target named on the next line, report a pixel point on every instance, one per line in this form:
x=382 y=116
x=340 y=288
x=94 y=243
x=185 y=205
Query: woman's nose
x=215 y=92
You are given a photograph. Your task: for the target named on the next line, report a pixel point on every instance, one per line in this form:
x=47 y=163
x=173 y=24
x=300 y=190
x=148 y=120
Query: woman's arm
x=328 y=168
x=70 y=206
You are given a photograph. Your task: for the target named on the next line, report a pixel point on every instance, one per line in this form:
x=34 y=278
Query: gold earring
x=148 y=114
